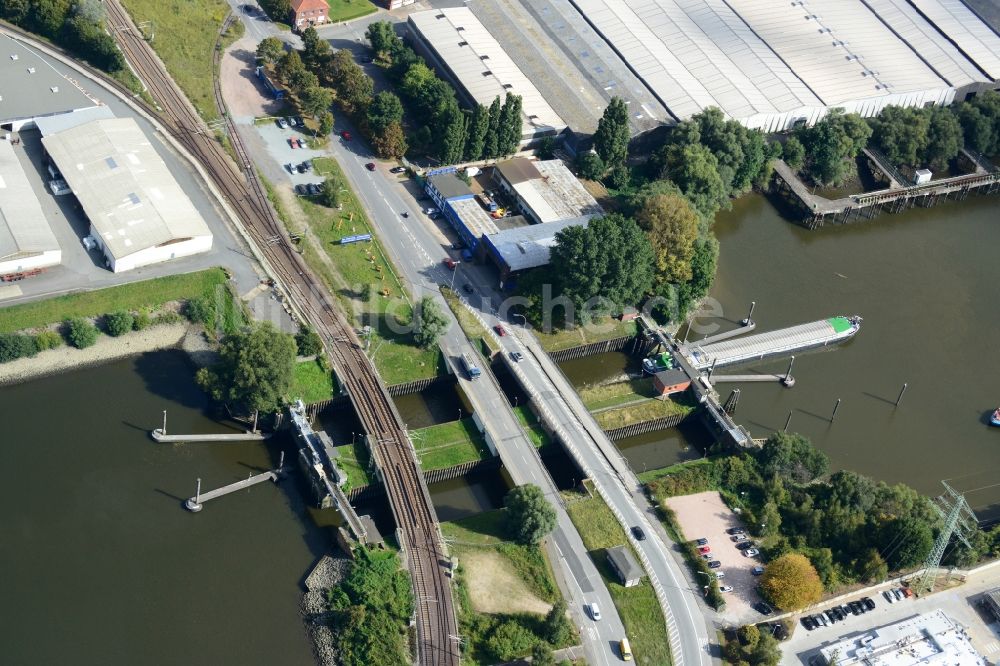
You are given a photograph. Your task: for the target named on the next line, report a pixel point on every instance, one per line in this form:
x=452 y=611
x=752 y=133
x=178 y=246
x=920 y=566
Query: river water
x=926 y=283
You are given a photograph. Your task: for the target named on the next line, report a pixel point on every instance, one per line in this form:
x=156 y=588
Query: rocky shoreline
x=329 y=571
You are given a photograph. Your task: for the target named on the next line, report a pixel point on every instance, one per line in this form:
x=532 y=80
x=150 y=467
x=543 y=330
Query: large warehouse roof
x=30 y=86
x=481 y=66
x=773 y=64
x=548 y=189
x=527 y=247
x=23 y=228
x=124 y=187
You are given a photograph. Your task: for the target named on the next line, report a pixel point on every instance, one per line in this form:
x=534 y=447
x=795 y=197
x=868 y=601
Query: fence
x=643 y=427
x=602 y=347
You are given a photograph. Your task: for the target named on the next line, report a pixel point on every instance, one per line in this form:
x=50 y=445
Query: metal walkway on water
x=773 y=343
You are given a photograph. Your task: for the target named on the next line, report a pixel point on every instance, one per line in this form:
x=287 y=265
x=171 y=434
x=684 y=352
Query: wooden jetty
x=194 y=504
x=247 y=436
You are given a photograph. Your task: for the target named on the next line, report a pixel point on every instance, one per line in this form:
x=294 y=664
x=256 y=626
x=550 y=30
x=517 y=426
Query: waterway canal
x=926 y=283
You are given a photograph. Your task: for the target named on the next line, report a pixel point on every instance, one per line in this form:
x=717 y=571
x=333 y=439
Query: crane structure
x=959 y=521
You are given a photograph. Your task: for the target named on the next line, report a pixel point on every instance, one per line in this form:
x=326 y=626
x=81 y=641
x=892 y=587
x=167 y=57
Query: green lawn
x=364 y=281
x=353 y=460
x=449 y=444
x=184 y=37
x=612 y=395
x=601 y=329
x=345 y=10
x=636 y=413
x=531 y=425
x=133 y=296
x=310 y=383
x=654 y=474
x=637 y=606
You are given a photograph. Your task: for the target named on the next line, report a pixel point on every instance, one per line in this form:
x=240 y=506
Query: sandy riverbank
x=65 y=358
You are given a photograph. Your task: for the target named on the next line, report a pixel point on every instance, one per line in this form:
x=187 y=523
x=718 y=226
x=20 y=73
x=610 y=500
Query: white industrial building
x=460 y=47
x=138 y=213
x=26 y=240
x=776 y=65
x=931 y=639
x=31 y=88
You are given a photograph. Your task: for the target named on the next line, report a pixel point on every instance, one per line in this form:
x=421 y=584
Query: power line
x=959 y=521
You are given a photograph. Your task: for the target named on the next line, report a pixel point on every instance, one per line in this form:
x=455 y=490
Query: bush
x=791 y=582
x=16 y=345
x=200 y=311
x=80 y=332
x=118 y=323
x=510 y=641
x=167 y=318
x=141 y=321
x=308 y=342
x=48 y=340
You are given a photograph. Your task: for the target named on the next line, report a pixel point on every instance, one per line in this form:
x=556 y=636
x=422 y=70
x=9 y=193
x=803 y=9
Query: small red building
x=671 y=381
x=309 y=12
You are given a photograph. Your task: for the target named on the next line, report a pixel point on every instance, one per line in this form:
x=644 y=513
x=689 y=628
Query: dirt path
x=240 y=86
x=495 y=588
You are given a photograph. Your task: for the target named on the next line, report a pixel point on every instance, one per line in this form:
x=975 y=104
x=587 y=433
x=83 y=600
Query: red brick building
x=309 y=12
x=670 y=381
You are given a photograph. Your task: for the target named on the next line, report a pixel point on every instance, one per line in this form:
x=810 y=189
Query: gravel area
x=65 y=358
x=328 y=572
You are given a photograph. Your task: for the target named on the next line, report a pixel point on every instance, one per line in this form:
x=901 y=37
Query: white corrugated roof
x=972 y=36
x=476 y=220
x=528 y=247
x=23 y=227
x=124 y=187
x=838 y=47
x=925 y=40
x=556 y=194
x=481 y=65
x=698 y=53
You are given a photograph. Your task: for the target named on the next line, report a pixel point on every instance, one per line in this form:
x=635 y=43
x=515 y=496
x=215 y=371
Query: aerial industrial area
x=426 y=332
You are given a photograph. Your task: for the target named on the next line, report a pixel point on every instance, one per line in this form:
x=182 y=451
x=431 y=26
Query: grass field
x=184 y=37
x=345 y=10
x=353 y=460
x=637 y=606
x=654 y=474
x=644 y=411
x=133 y=296
x=449 y=444
x=530 y=423
x=618 y=393
x=601 y=329
x=310 y=383
x=364 y=281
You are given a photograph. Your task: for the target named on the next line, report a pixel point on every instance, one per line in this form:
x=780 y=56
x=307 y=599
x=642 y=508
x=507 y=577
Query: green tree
x=278 y=10
x=529 y=515
x=325 y=123
x=385 y=110
x=703 y=266
x=790 y=582
x=329 y=193
x=429 y=322
x=48 y=340
x=16 y=345
x=254 y=369
x=316 y=101
x=610 y=258
x=980 y=125
x=270 y=49
x=832 y=141
x=792 y=456
x=383 y=40
x=872 y=567
x=906 y=541
x=944 y=138
x=695 y=170
x=479 y=124
x=590 y=166
x=672 y=226
x=510 y=640
x=354 y=87
x=612 y=135
x=290 y=66
x=490 y=141
x=301 y=81
x=118 y=323
x=794 y=152
x=80 y=332
x=557 y=629
x=391 y=142
x=510 y=125
x=541 y=655
x=901 y=133
x=546 y=149
x=451 y=137
x=316 y=51
x=308 y=342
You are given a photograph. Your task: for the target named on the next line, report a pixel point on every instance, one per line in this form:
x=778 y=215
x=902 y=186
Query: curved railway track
x=393 y=453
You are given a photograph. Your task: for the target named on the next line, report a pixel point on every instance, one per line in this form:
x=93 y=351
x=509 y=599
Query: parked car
x=702 y=542
x=345 y=135
x=595 y=612
x=808 y=622
x=735 y=530
x=738 y=538
x=301 y=168
x=751 y=552
x=898 y=594
x=820 y=620
x=746 y=545
x=516 y=356
x=830 y=616
x=501 y=331
x=719 y=575
x=467 y=288
x=301 y=190
x=291 y=121
x=853 y=606
x=838 y=613
x=705 y=549
x=757 y=571
x=725 y=588
x=282 y=123
x=397 y=169
x=763 y=608
x=432 y=210
x=889 y=596
x=293 y=142
x=707 y=555
x=306 y=166
x=299 y=122
x=290 y=167
x=370 y=166
x=714 y=564
x=907 y=592
x=313 y=189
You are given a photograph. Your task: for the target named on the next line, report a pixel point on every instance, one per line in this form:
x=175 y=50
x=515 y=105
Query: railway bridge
x=243 y=195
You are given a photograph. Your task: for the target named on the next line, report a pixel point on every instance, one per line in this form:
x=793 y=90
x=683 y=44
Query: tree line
x=79 y=26
x=446 y=131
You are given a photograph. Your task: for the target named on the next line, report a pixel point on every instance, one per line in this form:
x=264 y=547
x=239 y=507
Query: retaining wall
x=604 y=346
x=434 y=476
x=643 y=427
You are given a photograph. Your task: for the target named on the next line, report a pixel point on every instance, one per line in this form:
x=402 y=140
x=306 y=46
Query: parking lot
x=705 y=515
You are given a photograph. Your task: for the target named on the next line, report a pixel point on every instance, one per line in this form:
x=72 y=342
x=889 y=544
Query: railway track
x=436 y=625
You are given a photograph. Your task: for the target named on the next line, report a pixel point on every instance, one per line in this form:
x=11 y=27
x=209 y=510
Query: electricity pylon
x=959 y=520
